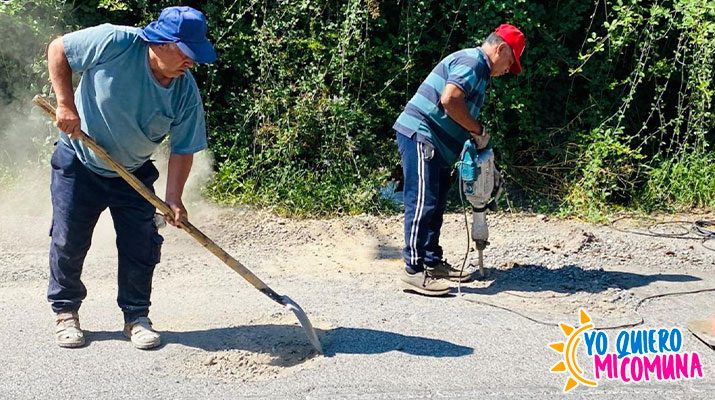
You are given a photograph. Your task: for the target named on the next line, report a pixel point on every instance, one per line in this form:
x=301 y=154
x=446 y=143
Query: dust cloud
x=27 y=137
x=27 y=145
x=202 y=171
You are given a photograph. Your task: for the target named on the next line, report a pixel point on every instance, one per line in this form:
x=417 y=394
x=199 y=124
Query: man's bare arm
x=61 y=76
x=454 y=103
x=178 y=173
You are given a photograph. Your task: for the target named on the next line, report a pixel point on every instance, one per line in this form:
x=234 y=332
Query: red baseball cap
x=513 y=36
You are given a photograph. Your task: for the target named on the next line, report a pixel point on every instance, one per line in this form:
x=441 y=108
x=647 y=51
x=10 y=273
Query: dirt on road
x=226 y=340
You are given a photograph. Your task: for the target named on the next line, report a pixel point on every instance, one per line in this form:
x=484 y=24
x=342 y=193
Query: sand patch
x=265 y=349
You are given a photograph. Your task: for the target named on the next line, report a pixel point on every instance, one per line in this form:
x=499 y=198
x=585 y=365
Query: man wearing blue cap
x=135 y=90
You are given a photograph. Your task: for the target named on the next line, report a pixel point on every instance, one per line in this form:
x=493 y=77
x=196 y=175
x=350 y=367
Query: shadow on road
x=289 y=346
x=567 y=279
x=388 y=253
x=370 y=341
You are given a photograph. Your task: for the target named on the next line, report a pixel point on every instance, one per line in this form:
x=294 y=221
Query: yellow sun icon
x=569 y=351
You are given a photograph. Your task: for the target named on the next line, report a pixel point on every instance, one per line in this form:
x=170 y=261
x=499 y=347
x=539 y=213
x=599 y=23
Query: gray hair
x=494 y=40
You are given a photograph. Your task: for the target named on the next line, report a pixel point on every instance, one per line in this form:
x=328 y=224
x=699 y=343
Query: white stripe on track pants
x=427 y=180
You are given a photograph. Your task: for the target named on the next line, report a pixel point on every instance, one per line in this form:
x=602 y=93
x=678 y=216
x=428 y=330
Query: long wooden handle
x=132 y=180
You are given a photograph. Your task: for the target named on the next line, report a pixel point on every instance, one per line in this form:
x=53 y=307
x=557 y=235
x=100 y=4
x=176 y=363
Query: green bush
x=614 y=107
x=653 y=63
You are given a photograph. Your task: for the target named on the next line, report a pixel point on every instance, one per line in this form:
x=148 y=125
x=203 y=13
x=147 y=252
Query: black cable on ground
x=621 y=326
x=655 y=296
x=680 y=224
x=699 y=229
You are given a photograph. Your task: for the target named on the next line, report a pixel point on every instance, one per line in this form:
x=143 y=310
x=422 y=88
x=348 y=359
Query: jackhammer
x=482 y=185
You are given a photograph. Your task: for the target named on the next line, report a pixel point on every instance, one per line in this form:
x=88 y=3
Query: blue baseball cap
x=184 y=26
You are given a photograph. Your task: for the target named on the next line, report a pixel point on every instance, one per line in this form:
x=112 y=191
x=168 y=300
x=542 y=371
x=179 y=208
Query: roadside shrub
x=614 y=108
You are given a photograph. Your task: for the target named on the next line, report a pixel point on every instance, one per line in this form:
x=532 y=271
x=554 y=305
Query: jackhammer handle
x=134 y=182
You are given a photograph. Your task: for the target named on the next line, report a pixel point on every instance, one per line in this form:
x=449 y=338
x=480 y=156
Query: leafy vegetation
x=614 y=107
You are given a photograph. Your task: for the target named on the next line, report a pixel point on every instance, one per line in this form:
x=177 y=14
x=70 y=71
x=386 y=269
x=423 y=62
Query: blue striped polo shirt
x=467 y=69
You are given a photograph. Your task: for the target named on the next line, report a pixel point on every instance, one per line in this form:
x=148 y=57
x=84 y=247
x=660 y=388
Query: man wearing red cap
x=136 y=89
x=431 y=131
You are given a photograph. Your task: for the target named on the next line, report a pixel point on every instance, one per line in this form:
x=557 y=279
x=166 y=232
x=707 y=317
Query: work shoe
x=67 y=331
x=424 y=283
x=445 y=270
x=142 y=335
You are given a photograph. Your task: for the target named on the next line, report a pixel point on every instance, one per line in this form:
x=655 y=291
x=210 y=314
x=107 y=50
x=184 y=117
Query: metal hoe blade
x=304 y=321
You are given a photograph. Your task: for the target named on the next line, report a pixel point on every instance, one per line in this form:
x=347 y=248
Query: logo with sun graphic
x=568 y=349
x=640 y=355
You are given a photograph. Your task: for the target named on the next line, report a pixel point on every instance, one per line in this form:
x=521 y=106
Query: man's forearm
x=178 y=173
x=455 y=105
x=457 y=110
x=60 y=73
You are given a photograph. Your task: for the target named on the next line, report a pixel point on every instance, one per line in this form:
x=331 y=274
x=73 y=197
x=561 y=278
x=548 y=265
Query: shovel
x=192 y=230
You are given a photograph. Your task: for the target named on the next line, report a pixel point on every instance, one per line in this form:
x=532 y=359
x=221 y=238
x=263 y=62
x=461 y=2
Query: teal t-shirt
x=122 y=105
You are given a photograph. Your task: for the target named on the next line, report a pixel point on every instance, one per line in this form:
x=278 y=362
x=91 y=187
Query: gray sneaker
x=445 y=270
x=423 y=283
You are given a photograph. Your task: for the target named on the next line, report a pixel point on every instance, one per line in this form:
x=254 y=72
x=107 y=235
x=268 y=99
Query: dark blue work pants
x=78 y=198
x=427 y=181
